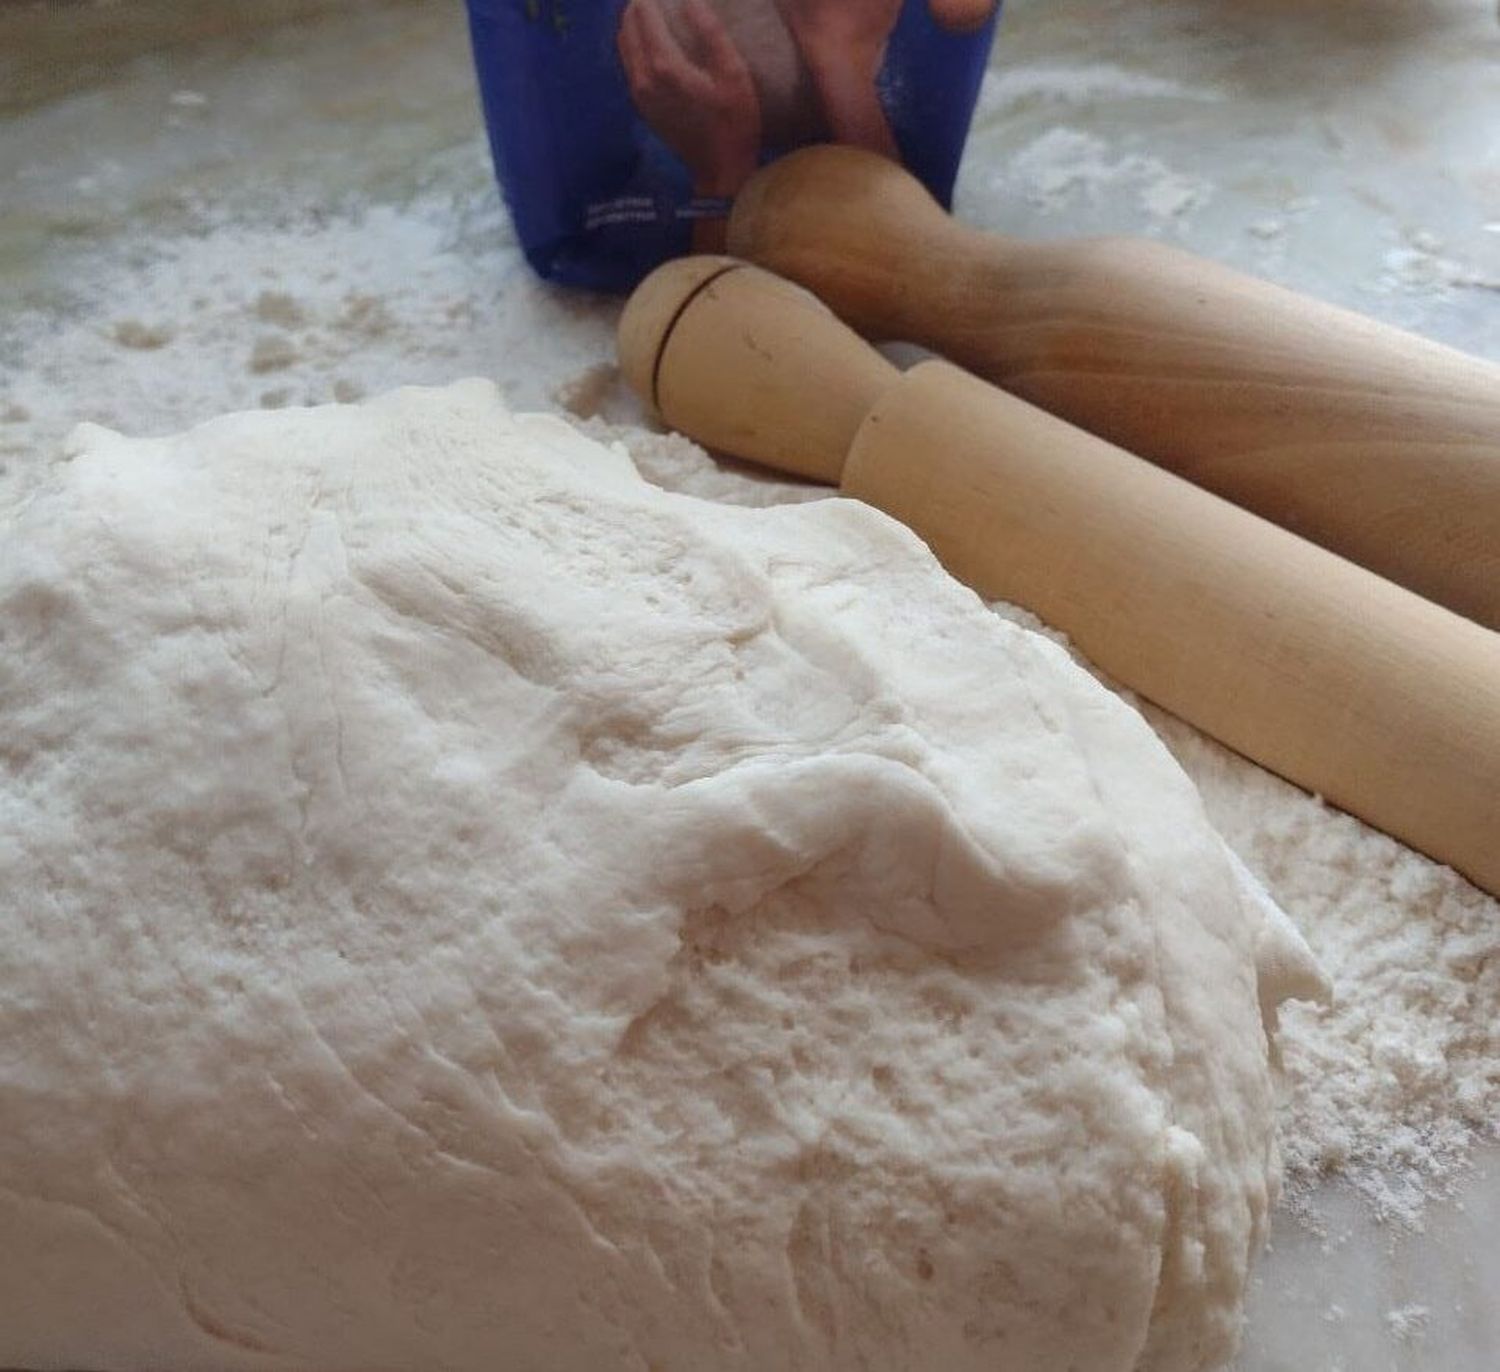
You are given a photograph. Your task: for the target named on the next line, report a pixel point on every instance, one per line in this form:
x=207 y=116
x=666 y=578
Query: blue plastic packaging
x=601 y=192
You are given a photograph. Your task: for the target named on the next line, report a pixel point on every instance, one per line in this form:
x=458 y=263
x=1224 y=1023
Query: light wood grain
x=1339 y=680
x=750 y=364
x=1378 y=444
x=1377 y=699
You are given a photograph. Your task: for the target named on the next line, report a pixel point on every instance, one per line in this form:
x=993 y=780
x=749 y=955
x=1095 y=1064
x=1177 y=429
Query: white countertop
x=1348 y=148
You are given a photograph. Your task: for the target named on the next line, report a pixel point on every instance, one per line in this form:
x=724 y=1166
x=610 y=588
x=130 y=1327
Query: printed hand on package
x=842 y=42
x=698 y=96
x=850 y=32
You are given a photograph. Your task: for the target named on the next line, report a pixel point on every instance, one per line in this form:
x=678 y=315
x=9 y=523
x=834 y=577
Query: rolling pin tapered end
x=652 y=312
x=858 y=187
x=749 y=364
x=852 y=226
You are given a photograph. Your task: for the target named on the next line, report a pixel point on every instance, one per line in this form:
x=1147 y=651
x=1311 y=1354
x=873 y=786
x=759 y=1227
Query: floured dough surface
x=461 y=907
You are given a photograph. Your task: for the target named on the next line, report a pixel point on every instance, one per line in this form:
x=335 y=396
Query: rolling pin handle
x=1377 y=444
x=1331 y=676
x=750 y=364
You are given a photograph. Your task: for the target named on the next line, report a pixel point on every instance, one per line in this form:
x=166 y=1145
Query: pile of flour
x=1386 y=1089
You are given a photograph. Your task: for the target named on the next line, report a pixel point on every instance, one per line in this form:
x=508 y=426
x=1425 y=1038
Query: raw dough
x=461 y=907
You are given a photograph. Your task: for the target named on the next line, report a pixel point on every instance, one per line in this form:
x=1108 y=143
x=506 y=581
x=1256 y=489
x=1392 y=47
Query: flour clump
x=460 y=905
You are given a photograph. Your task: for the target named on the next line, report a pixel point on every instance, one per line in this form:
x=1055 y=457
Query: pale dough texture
x=464 y=908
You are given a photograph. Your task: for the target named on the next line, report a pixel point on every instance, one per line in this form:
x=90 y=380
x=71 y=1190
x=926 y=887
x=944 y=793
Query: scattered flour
x=1011 y=88
x=1419 y=263
x=272 y=353
x=277 y=307
x=1390 y=1086
x=131 y=333
x=1408 y=1322
x=241 y=315
x=1063 y=164
x=1066 y=164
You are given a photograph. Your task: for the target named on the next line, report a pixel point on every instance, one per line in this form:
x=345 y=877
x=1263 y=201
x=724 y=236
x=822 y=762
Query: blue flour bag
x=621 y=129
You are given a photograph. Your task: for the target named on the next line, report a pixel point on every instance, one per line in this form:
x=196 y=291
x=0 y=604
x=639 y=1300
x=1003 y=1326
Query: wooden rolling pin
x=1380 y=445
x=1379 y=700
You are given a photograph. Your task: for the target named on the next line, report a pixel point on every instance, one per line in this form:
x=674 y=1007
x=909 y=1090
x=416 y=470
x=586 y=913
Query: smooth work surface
x=1346 y=148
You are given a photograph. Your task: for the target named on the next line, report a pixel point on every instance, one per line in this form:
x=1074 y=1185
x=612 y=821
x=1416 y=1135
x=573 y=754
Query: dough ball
x=463 y=907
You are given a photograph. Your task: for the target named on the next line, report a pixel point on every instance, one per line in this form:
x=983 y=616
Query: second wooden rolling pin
x=1378 y=444
x=1337 y=679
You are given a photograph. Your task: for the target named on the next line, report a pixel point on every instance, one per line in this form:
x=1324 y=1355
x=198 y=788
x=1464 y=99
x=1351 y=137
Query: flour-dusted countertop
x=285 y=214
